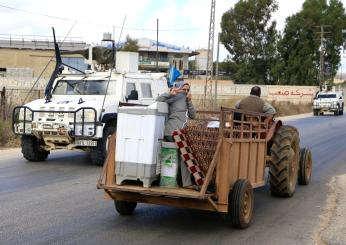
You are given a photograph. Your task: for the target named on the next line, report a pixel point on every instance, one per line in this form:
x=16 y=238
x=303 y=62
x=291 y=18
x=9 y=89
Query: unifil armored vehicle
x=79 y=110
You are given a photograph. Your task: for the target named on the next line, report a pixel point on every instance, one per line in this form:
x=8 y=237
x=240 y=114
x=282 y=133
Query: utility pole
x=343 y=32
x=322 y=38
x=209 y=71
x=217 y=70
x=321 y=59
x=157 y=45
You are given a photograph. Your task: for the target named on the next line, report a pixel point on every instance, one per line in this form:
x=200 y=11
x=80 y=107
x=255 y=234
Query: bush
x=286 y=108
x=7 y=137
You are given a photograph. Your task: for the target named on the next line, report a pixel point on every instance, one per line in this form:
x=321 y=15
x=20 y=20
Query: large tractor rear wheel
x=305 y=167
x=283 y=171
x=240 y=204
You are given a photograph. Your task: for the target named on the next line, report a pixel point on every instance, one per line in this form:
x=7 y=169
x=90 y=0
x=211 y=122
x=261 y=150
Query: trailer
x=233 y=148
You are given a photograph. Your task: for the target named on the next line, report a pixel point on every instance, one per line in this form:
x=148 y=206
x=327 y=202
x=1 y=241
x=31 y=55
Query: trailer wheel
x=283 y=170
x=98 y=154
x=124 y=207
x=240 y=204
x=31 y=149
x=305 y=166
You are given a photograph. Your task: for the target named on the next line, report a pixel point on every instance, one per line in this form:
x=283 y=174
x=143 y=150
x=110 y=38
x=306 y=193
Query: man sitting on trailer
x=255 y=103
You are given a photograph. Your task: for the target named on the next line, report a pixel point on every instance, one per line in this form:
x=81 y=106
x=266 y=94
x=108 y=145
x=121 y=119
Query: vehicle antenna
x=112 y=67
x=50 y=60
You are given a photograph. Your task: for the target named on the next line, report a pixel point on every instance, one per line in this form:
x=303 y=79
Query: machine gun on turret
x=100 y=55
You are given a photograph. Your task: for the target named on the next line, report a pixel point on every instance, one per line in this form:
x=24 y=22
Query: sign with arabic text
x=299 y=92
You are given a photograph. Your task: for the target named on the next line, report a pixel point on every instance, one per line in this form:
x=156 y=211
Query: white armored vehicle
x=328 y=101
x=79 y=111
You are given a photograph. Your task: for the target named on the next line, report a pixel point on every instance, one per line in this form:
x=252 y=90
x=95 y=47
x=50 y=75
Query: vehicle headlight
x=21 y=114
x=334 y=102
x=89 y=116
x=28 y=115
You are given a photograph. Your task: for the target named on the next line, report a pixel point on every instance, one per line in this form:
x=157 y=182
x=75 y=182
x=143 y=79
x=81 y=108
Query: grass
x=7 y=137
x=286 y=108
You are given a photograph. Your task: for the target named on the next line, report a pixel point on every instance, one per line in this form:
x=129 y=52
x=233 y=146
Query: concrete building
x=27 y=56
x=168 y=55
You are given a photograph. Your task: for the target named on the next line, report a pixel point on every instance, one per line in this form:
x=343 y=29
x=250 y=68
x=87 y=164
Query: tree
x=192 y=65
x=300 y=46
x=130 y=45
x=251 y=38
x=228 y=67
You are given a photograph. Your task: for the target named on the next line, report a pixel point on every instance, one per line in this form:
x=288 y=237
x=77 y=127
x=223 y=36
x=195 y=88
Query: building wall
x=22 y=62
x=227 y=90
x=35 y=60
x=180 y=61
x=201 y=59
x=147 y=60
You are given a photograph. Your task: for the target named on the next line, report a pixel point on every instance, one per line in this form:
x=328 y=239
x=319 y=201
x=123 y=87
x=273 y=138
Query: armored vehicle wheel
x=283 y=171
x=315 y=112
x=240 y=204
x=98 y=154
x=305 y=166
x=31 y=149
x=124 y=207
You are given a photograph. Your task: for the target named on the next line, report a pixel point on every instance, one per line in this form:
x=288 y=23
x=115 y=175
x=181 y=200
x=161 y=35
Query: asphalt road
x=56 y=202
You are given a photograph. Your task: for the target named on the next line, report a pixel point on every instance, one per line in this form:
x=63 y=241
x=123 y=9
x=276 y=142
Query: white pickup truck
x=328 y=101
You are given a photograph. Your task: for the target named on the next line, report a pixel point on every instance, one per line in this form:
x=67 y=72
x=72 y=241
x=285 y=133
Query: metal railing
x=16 y=119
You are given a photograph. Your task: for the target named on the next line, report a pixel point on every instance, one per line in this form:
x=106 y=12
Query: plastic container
x=140 y=131
x=169 y=165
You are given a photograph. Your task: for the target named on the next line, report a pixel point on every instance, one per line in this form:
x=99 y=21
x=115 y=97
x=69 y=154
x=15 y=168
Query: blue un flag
x=173 y=75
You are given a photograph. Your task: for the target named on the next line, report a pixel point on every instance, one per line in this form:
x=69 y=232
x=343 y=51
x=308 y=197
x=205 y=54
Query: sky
x=181 y=22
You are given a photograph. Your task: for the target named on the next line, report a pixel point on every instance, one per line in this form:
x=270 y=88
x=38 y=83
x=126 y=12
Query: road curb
x=296 y=116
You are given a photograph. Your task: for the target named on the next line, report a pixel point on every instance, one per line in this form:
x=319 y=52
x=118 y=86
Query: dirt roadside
x=332 y=228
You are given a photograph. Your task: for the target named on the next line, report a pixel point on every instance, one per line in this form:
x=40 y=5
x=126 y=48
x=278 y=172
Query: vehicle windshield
x=84 y=87
x=326 y=96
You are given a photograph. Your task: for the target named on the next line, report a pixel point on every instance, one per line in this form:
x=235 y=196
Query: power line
x=98 y=24
x=34 y=13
